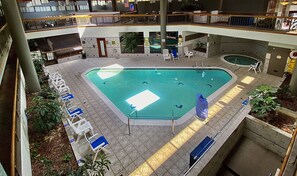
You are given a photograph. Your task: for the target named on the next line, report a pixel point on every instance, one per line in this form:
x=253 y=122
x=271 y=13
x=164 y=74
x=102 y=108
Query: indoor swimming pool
x=155 y=93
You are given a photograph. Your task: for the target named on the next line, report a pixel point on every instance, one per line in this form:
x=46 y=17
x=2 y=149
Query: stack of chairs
x=79 y=125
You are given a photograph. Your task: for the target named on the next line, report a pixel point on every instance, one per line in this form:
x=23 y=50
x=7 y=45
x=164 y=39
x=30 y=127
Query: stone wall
x=267 y=135
x=215 y=163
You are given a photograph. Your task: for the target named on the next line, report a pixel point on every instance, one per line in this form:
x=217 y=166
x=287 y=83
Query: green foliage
x=45 y=114
x=103 y=163
x=98 y=167
x=47 y=92
x=34 y=151
x=38 y=63
x=47 y=164
x=131 y=40
x=67 y=157
x=285 y=93
x=263 y=100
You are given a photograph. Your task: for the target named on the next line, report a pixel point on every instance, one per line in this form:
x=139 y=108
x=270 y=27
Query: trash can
x=201 y=107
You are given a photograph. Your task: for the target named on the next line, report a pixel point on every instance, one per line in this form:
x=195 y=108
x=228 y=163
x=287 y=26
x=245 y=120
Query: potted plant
x=271 y=105
x=131 y=40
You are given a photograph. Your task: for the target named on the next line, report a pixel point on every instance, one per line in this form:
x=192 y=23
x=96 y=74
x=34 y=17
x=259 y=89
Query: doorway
x=101 y=47
x=278 y=60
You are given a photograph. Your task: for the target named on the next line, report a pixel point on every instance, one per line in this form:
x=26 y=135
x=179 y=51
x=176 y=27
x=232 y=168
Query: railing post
x=172 y=122
x=129 y=126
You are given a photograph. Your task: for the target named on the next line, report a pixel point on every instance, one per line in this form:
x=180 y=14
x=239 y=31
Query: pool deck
x=154 y=150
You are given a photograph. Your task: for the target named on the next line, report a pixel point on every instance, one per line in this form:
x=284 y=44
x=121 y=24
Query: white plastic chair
x=256 y=67
x=97 y=143
x=166 y=55
x=80 y=127
x=187 y=52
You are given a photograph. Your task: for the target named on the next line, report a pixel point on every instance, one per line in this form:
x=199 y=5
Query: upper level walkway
x=280 y=31
x=247 y=22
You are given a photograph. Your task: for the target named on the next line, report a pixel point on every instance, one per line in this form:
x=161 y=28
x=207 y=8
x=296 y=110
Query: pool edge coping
x=191 y=113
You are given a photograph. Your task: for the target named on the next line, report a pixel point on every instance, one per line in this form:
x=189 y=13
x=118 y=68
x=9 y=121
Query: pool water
x=156 y=93
x=240 y=60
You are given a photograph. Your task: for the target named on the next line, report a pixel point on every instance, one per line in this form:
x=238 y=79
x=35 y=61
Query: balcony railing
x=270 y=23
x=5 y=44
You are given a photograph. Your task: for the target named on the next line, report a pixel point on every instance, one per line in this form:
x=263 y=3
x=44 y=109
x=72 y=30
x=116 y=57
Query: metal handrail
x=259 y=22
x=172 y=118
x=5 y=45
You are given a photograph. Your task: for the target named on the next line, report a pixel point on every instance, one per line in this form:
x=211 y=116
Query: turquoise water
x=240 y=60
x=176 y=88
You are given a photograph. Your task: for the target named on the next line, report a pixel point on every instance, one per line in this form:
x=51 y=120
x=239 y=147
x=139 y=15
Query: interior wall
x=147 y=7
x=235 y=45
x=257 y=49
x=245 y=6
x=23 y=159
x=89 y=45
x=278 y=60
x=208 y=5
x=213 y=45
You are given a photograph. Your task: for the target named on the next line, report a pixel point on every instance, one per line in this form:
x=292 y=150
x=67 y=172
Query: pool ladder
x=196 y=64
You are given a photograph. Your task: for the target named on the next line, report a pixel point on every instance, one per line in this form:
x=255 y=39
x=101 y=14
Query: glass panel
x=102 y=48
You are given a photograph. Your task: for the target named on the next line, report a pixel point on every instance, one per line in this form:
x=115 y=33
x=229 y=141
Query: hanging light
x=284 y=3
x=294 y=2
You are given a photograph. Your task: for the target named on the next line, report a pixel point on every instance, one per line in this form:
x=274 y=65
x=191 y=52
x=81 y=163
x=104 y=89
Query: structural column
x=90 y=6
x=163 y=21
x=114 y=5
x=16 y=29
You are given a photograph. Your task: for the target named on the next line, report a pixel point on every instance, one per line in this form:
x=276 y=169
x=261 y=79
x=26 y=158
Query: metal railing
x=219 y=133
x=5 y=44
x=256 y=22
x=151 y=117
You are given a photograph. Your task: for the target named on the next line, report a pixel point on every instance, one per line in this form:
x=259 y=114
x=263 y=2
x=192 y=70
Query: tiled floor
x=154 y=150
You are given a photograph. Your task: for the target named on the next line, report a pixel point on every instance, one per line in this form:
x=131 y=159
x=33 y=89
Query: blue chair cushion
x=77 y=111
x=67 y=97
x=99 y=141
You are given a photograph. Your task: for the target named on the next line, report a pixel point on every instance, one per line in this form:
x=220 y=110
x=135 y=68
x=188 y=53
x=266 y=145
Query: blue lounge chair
x=66 y=98
x=97 y=143
x=174 y=54
x=74 y=113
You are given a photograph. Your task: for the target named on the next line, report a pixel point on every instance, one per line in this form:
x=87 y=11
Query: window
x=54 y=8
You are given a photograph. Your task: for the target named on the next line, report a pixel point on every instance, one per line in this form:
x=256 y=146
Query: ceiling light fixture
x=284 y=3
